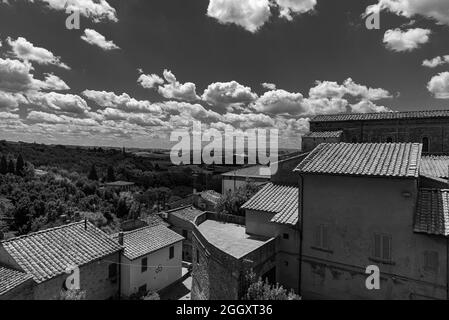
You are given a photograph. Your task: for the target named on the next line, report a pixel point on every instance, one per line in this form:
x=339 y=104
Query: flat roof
x=231 y=238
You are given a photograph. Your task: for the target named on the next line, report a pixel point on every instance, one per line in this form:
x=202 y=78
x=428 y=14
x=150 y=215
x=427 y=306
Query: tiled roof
x=364 y=159
x=47 y=254
x=435 y=166
x=250 y=172
x=145 y=240
x=381 y=116
x=10 y=278
x=432 y=213
x=324 y=134
x=211 y=196
x=154 y=220
x=188 y=213
x=277 y=199
x=188 y=200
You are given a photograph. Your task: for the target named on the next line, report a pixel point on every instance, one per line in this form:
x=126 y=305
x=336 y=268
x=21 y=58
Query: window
x=389 y=139
x=431 y=261
x=197 y=256
x=425 y=144
x=286 y=236
x=184 y=233
x=382 y=247
x=286 y=263
x=113 y=272
x=354 y=140
x=144 y=265
x=143 y=289
x=172 y=252
x=321 y=237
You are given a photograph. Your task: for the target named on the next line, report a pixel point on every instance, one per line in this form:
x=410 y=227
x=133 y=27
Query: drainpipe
x=447 y=268
x=301 y=228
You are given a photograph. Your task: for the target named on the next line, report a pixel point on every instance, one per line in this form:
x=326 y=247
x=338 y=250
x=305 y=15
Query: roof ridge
x=45 y=231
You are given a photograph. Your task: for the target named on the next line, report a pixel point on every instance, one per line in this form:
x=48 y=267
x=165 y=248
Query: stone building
x=367 y=204
x=431 y=128
x=46 y=255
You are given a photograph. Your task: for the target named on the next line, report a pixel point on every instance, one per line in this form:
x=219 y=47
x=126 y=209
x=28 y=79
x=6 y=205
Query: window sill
x=389 y=262
x=322 y=249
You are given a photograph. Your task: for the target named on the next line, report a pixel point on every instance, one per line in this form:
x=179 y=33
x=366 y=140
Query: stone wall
x=405 y=130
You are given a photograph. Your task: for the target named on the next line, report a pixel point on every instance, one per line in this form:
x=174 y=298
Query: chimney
x=85 y=223
x=120 y=238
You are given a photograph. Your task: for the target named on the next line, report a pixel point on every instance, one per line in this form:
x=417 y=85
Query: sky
x=138 y=70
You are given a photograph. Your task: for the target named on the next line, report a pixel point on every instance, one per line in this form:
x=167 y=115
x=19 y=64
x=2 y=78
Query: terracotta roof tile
x=10 y=278
x=324 y=134
x=188 y=213
x=364 y=159
x=435 y=166
x=145 y=240
x=277 y=199
x=211 y=196
x=47 y=254
x=432 y=213
x=381 y=116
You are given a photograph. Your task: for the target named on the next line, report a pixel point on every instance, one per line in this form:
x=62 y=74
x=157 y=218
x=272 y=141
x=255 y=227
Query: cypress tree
x=111 y=175
x=3 y=165
x=93 y=173
x=19 y=165
x=11 y=168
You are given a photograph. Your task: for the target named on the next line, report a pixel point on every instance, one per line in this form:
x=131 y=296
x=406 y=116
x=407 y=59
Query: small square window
x=184 y=233
x=197 y=256
x=144 y=265
x=172 y=252
x=286 y=236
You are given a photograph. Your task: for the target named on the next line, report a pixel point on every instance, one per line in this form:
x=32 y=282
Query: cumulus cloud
x=11 y=101
x=439 y=85
x=25 y=50
x=228 y=94
x=366 y=106
x=141 y=119
x=124 y=102
x=401 y=41
x=176 y=90
x=331 y=89
x=253 y=14
x=150 y=81
x=96 y=10
x=268 y=86
x=288 y=8
x=437 y=10
x=60 y=103
x=97 y=39
x=44 y=117
x=16 y=76
x=195 y=111
x=436 y=62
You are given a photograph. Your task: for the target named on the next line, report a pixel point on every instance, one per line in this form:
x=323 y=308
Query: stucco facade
x=354 y=210
x=161 y=270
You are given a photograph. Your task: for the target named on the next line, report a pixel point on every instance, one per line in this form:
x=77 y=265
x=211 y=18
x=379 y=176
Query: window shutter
x=386 y=250
x=377 y=246
x=318 y=236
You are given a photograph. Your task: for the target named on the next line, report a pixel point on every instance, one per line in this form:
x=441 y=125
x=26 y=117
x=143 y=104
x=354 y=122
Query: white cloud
x=16 y=76
x=366 y=106
x=249 y=14
x=401 y=41
x=11 y=101
x=175 y=90
x=97 y=39
x=436 y=62
x=8 y=116
x=331 y=89
x=439 y=85
x=25 y=50
x=150 y=81
x=194 y=111
x=288 y=8
x=437 y=10
x=124 y=102
x=268 y=86
x=228 y=94
x=43 y=117
x=141 y=119
x=96 y=10
x=60 y=103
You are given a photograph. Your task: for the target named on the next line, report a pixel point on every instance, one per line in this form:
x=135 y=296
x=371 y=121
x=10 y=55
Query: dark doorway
x=425 y=144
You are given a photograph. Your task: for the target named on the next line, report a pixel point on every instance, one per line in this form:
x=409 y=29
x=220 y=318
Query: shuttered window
x=382 y=247
x=322 y=237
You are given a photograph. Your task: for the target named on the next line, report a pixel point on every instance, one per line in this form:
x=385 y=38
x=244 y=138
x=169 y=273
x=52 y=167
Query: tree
x=72 y=295
x=11 y=168
x=110 y=175
x=3 y=165
x=262 y=290
x=19 y=165
x=93 y=173
x=231 y=202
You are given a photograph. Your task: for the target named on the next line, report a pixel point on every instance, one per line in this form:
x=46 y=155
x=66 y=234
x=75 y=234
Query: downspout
x=447 y=268
x=120 y=275
x=301 y=228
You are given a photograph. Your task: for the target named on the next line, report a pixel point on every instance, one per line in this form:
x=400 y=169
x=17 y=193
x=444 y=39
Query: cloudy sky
x=138 y=69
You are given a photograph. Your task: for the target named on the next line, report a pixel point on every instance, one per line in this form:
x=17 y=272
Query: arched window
x=389 y=139
x=425 y=144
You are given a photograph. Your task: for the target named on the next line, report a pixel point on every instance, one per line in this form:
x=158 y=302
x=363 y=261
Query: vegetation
x=72 y=295
x=231 y=202
x=262 y=290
